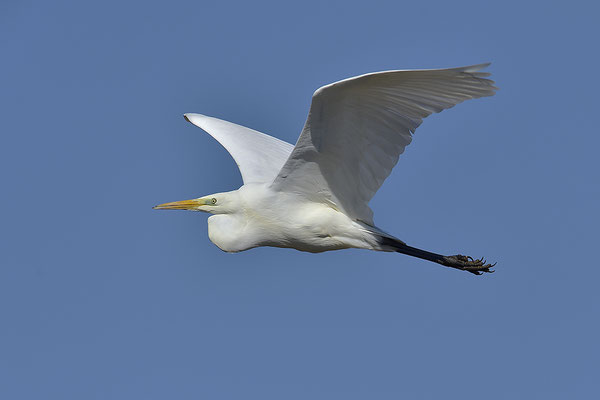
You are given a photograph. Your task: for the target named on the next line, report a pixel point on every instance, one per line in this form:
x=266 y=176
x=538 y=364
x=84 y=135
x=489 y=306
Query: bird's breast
x=228 y=233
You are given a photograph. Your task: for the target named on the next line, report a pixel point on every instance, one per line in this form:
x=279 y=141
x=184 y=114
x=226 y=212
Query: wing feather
x=357 y=128
x=258 y=156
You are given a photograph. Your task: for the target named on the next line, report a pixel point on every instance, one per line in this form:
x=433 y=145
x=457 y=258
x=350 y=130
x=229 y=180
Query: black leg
x=458 y=261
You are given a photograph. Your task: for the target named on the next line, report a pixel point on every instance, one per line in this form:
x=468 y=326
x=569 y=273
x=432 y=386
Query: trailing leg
x=464 y=263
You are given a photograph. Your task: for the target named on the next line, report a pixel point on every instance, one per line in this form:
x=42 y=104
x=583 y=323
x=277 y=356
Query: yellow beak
x=192 y=204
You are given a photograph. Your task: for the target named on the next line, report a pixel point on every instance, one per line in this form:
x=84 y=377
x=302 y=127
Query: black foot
x=466 y=263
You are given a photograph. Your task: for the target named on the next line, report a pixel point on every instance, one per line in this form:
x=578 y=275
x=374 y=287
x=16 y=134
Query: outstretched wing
x=258 y=156
x=357 y=128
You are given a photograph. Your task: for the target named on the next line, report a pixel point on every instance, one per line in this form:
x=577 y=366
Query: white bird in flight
x=314 y=196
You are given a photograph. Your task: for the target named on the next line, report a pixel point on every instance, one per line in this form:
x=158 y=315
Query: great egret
x=314 y=196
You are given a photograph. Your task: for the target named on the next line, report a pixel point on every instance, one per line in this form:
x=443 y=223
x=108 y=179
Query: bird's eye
x=213 y=200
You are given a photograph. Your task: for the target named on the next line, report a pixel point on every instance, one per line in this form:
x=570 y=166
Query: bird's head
x=218 y=203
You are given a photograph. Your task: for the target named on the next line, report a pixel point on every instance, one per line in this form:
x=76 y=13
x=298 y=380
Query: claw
x=467 y=263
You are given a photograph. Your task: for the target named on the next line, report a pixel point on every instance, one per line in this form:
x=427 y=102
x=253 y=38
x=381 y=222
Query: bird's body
x=284 y=220
x=314 y=196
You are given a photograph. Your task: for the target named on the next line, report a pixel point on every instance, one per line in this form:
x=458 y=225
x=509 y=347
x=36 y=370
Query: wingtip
x=186 y=117
x=477 y=67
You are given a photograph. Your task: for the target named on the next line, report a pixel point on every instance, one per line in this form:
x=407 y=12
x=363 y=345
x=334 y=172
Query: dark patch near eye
x=214 y=201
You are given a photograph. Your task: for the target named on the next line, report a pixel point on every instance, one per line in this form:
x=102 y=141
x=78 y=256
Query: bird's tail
x=390 y=243
x=384 y=240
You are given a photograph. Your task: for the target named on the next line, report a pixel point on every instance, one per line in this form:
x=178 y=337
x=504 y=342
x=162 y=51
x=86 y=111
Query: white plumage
x=258 y=156
x=314 y=196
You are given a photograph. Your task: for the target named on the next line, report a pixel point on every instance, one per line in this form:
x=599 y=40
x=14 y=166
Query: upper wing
x=357 y=128
x=258 y=156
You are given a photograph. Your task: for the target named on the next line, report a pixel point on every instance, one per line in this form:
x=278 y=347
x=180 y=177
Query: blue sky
x=103 y=298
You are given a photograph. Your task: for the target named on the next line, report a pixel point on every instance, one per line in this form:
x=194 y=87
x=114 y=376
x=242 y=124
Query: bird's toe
x=469 y=264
